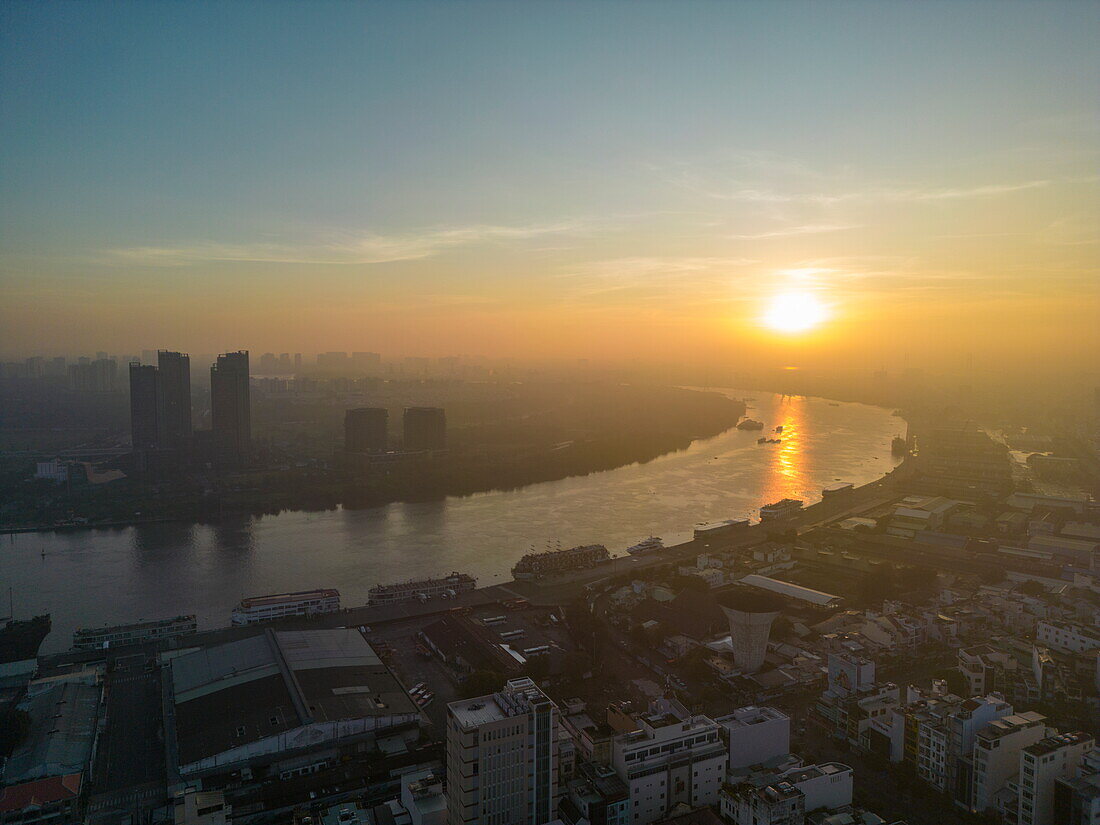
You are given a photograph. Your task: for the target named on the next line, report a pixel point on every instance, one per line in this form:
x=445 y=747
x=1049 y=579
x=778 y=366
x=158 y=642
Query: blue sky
x=626 y=160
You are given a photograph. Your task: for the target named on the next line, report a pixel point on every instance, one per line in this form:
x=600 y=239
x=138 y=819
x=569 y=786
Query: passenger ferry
x=446 y=587
x=784 y=508
x=279 y=605
x=97 y=638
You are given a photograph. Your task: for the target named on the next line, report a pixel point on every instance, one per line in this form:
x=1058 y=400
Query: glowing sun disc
x=794 y=312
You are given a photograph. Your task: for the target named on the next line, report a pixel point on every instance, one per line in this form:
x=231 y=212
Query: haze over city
x=549 y=412
x=553 y=181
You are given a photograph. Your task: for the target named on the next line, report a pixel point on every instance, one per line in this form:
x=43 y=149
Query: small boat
x=779 y=429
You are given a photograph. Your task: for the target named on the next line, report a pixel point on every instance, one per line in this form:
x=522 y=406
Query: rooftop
x=39 y=793
x=1054 y=743
x=62 y=729
x=750 y=715
x=231 y=694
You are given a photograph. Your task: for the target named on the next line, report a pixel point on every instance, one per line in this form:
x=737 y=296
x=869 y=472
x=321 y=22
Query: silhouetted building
x=365 y=430
x=175 y=386
x=230 y=406
x=425 y=428
x=147 y=428
x=93 y=376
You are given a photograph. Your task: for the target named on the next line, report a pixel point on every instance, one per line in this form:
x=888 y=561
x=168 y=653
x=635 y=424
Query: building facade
x=502 y=761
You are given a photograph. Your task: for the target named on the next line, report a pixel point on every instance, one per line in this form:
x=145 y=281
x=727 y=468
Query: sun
x=794 y=312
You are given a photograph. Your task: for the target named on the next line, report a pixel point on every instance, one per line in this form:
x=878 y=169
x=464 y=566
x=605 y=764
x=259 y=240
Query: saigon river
x=111 y=575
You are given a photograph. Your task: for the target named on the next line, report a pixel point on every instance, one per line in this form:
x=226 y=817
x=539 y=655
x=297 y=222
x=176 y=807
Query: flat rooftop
x=751 y=715
x=472 y=713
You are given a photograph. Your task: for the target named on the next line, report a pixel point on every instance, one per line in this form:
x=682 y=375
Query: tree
x=1031 y=588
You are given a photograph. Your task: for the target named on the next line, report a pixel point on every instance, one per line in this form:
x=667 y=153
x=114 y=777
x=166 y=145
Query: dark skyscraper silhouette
x=425 y=428
x=146 y=421
x=175 y=386
x=365 y=430
x=230 y=406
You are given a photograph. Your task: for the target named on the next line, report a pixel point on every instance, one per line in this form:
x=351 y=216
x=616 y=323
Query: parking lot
x=399 y=642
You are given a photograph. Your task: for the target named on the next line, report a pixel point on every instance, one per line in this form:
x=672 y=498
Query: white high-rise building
x=755 y=735
x=1041 y=765
x=673 y=757
x=502 y=760
x=996 y=755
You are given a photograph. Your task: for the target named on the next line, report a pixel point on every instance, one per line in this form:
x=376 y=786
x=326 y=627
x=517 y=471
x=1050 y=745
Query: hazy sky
x=592 y=179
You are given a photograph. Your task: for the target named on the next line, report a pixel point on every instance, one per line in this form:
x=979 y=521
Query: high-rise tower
x=175 y=384
x=230 y=406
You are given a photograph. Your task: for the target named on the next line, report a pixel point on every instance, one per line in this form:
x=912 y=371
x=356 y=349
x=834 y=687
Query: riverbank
x=156 y=569
x=362 y=481
x=562 y=589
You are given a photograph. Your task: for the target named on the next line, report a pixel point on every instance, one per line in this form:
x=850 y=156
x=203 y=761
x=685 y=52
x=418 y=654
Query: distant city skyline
x=571 y=180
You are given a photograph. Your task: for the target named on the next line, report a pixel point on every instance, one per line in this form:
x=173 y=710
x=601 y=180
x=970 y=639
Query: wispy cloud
x=803 y=229
x=645 y=274
x=339 y=249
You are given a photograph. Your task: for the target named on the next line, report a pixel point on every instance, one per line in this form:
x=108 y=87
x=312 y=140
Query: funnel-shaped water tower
x=750 y=614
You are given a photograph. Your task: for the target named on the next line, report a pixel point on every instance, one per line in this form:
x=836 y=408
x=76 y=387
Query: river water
x=90 y=577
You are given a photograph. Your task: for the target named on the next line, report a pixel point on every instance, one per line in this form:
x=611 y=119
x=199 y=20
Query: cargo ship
x=445 y=587
x=280 y=605
x=534 y=565
x=784 y=508
x=98 y=638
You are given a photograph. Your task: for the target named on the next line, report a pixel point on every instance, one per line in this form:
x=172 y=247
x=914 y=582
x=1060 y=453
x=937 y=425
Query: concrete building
x=424 y=428
x=596 y=797
x=672 y=758
x=502 y=761
x=147 y=424
x=365 y=430
x=750 y=614
x=755 y=734
x=1068 y=637
x=1041 y=765
x=231 y=407
x=769 y=797
x=284 y=702
x=850 y=674
x=996 y=755
x=423 y=798
x=174 y=369
x=195 y=807
x=1077 y=799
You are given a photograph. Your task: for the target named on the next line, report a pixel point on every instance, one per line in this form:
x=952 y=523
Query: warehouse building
x=283 y=703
